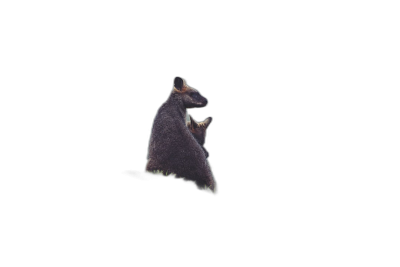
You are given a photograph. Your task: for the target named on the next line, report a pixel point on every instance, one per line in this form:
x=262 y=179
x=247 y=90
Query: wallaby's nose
x=205 y=101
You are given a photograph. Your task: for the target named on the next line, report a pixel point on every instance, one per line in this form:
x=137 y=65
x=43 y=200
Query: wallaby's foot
x=211 y=188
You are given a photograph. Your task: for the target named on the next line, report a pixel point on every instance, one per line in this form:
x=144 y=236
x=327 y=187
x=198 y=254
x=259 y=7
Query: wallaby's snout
x=204 y=102
x=198 y=100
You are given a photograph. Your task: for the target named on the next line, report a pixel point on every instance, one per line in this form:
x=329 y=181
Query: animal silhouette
x=172 y=147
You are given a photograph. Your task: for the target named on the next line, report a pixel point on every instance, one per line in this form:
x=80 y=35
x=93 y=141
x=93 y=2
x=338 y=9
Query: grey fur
x=198 y=130
x=172 y=147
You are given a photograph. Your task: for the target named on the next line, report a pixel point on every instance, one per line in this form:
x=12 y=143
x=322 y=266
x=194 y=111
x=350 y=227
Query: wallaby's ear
x=207 y=121
x=178 y=83
x=193 y=123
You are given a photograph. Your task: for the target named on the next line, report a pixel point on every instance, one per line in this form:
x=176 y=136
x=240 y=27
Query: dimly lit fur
x=198 y=129
x=172 y=147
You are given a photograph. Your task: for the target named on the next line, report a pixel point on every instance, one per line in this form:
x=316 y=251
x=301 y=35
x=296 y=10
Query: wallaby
x=172 y=147
x=198 y=130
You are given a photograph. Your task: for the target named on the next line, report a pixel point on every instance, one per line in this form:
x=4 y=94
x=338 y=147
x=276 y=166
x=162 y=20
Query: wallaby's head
x=199 y=131
x=191 y=98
